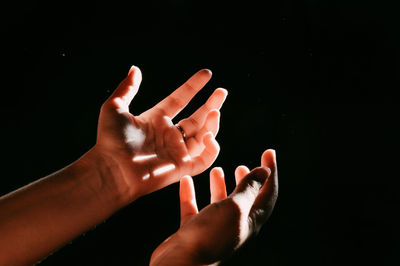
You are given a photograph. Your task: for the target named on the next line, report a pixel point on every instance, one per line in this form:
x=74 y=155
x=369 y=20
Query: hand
x=147 y=152
x=223 y=226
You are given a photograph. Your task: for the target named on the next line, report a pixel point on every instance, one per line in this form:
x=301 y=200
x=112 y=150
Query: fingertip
x=240 y=172
x=208 y=137
x=204 y=73
x=217 y=171
x=186 y=179
x=243 y=168
x=268 y=158
x=135 y=74
x=208 y=71
x=132 y=69
x=209 y=141
x=273 y=153
x=214 y=113
x=223 y=90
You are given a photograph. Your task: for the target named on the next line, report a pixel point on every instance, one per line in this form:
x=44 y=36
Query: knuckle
x=189 y=87
x=176 y=102
x=194 y=122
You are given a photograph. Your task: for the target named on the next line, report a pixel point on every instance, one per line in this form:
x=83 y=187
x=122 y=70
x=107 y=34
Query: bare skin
x=133 y=156
x=120 y=135
x=209 y=236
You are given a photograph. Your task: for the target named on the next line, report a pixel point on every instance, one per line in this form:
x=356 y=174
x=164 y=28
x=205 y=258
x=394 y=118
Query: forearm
x=43 y=216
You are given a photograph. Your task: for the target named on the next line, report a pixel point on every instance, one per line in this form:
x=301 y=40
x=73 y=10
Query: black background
x=315 y=80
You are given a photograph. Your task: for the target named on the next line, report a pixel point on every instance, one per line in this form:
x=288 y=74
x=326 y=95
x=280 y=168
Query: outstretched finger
x=126 y=90
x=196 y=121
x=265 y=201
x=187 y=198
x=177 y=100
x=217 y=184
x=240 y=172
x=206 y=158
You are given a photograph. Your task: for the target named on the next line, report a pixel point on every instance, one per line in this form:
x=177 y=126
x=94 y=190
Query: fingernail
x=209 y=71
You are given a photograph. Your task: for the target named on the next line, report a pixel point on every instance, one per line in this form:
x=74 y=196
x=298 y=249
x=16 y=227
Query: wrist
x=176 y=251
x=108 y=178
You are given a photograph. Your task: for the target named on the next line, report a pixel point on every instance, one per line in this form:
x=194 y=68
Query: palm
x=149 y=149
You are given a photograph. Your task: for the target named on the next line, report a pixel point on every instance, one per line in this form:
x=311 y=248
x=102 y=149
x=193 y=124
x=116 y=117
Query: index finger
x=177 y=100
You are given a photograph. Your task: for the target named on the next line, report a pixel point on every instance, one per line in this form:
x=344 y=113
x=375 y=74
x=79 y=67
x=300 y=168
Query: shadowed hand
x=208 y=236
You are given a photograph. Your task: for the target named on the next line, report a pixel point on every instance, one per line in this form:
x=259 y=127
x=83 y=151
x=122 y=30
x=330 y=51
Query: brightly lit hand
x=148 y=151
x=223 y=226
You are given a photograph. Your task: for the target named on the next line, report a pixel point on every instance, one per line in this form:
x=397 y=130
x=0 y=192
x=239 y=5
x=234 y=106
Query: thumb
x=126 y=90
x=245 y=195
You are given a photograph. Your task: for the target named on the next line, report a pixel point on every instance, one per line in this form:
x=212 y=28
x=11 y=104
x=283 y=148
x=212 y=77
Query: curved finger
x=217 y=184
x=126 y=90
x=206 y=158
x=240 y=172
x=187 y=198
x=176 y=101
x=195 y=144
x=195 y=122
x=266 y=199
x=211 y=124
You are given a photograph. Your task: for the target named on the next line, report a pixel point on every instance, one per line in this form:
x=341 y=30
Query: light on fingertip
x=209 y=71
x=187 y=177
x=132 y=68
x=224 y=90
x=218 y=168
x=273 y=154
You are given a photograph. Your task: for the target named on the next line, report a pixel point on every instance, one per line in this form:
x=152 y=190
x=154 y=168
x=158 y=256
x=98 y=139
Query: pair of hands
x=148 y=152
